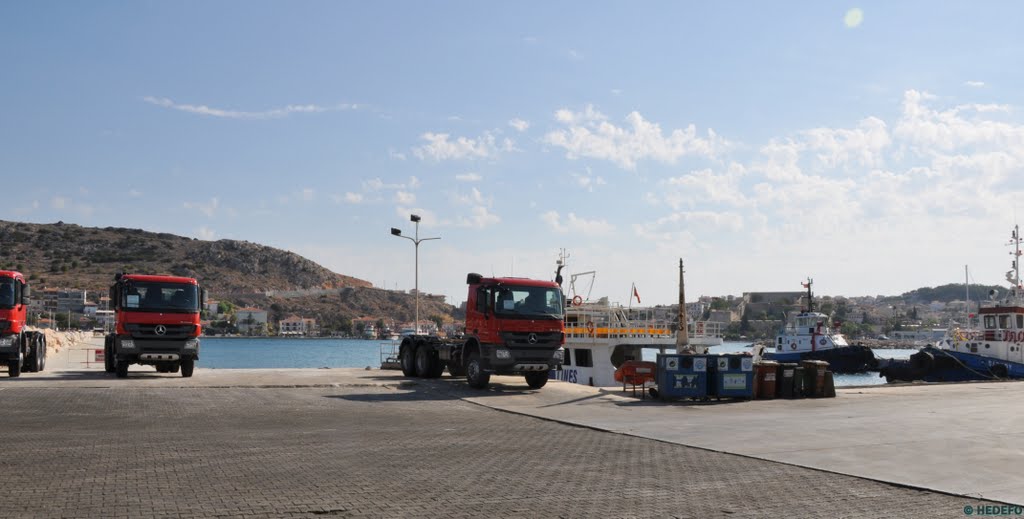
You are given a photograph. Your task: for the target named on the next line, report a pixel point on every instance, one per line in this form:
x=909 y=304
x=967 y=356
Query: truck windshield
x=6 y=293
x=528 y=301
x=160 y=297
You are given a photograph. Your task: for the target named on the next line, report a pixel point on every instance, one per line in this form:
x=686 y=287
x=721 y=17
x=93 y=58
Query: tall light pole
x=416 y=241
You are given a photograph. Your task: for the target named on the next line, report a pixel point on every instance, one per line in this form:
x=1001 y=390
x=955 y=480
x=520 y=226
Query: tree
x=438 y=320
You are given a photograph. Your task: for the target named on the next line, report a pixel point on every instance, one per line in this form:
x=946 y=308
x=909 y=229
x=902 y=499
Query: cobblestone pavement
x=413 y=451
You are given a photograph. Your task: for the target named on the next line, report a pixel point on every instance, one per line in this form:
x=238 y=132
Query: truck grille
x=172 y=331
x=523 y=350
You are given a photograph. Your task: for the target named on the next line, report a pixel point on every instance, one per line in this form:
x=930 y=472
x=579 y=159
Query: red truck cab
x=156 y=322
x=21 y=350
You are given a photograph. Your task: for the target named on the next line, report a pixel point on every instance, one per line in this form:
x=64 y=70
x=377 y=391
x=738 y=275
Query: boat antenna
x=1015 y=241
x=562 y=257
x=810 y=297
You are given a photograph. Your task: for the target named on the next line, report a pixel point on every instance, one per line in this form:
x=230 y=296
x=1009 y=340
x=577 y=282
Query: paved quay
x=355 y=443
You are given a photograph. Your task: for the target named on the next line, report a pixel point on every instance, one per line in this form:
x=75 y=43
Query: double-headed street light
x=416 y=241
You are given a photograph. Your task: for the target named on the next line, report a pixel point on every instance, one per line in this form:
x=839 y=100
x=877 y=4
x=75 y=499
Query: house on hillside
x=295 y=325
x=251 y=321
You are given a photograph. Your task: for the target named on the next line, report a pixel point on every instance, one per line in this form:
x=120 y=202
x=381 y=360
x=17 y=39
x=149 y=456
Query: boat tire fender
x=577 y=301
x=590 y=326
x=792 y=345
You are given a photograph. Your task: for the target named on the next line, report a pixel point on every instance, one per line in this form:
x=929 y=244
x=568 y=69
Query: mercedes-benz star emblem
x=533 y=338
x=160 y=329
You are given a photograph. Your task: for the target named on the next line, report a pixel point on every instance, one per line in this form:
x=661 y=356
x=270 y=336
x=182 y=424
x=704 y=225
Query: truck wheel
x=426 y=364
x=108 y=355
x=42 y=351
x=537 y=379
x=475 y=374
x=187 y=365
x=14 y=368
x=31 y=360
x=121 y=367
x=407 y=359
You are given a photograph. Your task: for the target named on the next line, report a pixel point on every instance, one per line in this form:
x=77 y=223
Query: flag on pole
x=636 y=294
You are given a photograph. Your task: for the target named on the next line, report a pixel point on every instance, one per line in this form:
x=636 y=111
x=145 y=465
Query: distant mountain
x=68 y=255
x=64 y=255
x=951 y=292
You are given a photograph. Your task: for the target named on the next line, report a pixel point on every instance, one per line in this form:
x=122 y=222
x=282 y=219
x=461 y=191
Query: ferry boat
x=809 y=335
x=988 y=348
x=601 y=336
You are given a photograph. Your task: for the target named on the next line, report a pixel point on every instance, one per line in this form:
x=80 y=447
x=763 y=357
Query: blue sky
x=877 y=147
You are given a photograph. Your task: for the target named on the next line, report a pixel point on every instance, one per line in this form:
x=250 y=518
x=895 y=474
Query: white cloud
x=353 y=198
x=576 y=225
x=468 y=177
x=439 y=147
x=574 y=54
x=59 y=202
x=403 y=197
x=975 y=84
x=479 y=218
x=207 y=208
x=588 y=180
x=589 y=134
x=134 y=193
x=395 y=154
x=519 y=124
x=274 y=113
x=205 y=233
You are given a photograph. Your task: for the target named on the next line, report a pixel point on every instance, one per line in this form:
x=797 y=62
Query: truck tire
x=427 y=363
x=407 y=358
x=537 y=379
x=42 y=350
x=187 y=365
x=121 y=367
x=29 y=347
x=108 y=355
x=14 y=368
x=475 y=374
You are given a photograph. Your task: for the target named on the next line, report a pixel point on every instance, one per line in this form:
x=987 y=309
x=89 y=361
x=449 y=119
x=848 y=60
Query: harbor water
x=254 y=353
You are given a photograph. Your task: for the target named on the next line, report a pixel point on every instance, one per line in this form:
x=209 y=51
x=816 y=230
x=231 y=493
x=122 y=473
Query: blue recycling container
x=734 y=376
x=682 y=376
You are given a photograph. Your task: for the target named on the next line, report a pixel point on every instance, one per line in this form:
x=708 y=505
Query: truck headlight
x=7 y=341
x=128 y=344
x=191 y=344
x=503 y=353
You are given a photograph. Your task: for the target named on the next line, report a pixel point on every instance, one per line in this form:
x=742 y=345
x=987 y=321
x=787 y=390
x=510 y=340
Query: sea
x=250 y=353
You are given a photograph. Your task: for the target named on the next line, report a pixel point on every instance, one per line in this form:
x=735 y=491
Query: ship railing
x=706 y=329
x=616 y=322
x=389 y=355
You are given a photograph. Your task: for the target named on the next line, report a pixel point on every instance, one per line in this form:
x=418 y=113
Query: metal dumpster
x=784 y=380
x=765 y=374
x=814 y=377
x=682 y=376
x=734 y=376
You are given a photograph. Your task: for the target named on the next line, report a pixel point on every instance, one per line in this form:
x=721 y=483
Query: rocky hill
x=64 y=255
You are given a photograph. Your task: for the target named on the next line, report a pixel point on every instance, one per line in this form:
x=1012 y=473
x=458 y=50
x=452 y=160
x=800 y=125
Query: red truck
x=20 y=349
x=156 y=323
x=514 y=326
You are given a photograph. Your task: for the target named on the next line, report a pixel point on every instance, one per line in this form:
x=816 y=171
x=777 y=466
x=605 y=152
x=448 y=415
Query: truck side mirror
x=202 y=297
x=26 y=292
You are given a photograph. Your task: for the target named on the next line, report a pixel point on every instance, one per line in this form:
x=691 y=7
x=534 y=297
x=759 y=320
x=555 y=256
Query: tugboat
x=989 y=352
x=809 y=336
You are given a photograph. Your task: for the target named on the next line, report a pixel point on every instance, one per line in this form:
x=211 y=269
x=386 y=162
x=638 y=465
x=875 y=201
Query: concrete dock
x=358 y=443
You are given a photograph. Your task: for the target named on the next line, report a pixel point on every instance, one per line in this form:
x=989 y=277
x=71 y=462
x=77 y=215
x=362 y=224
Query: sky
x=876 y=147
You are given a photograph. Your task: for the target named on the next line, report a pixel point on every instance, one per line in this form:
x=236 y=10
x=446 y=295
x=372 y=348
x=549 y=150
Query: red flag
x=636 y=294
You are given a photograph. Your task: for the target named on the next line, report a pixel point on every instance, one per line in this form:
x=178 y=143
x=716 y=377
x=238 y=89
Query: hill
x=951 y=292
x=64 y=255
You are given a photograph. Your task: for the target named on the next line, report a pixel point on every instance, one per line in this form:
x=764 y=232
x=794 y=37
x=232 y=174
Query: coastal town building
x=251 y=320
x=295 y=325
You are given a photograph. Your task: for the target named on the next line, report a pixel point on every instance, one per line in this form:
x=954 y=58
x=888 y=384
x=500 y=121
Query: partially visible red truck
x=514 y=326
x=156 y=323
x=20 y=349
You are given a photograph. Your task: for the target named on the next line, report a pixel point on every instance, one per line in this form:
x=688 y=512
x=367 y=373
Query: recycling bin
x=784 y=380
x=765 y=374
x=798 y=381
x=814 y=377
x=734 y=376
x=682 y=376
x=830 y=385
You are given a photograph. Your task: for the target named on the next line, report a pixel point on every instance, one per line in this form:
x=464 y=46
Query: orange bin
x=764 y=379
x=814 y=377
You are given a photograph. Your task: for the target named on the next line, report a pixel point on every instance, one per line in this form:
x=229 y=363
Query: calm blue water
x=244 y=353
x=241 y=353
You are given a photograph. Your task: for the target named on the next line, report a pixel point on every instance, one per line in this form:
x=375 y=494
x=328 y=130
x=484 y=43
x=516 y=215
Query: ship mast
x=1015 y=241
x=683 y=335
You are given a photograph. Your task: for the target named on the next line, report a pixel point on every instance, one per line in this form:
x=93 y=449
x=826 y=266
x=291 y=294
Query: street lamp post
x=416 y=241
